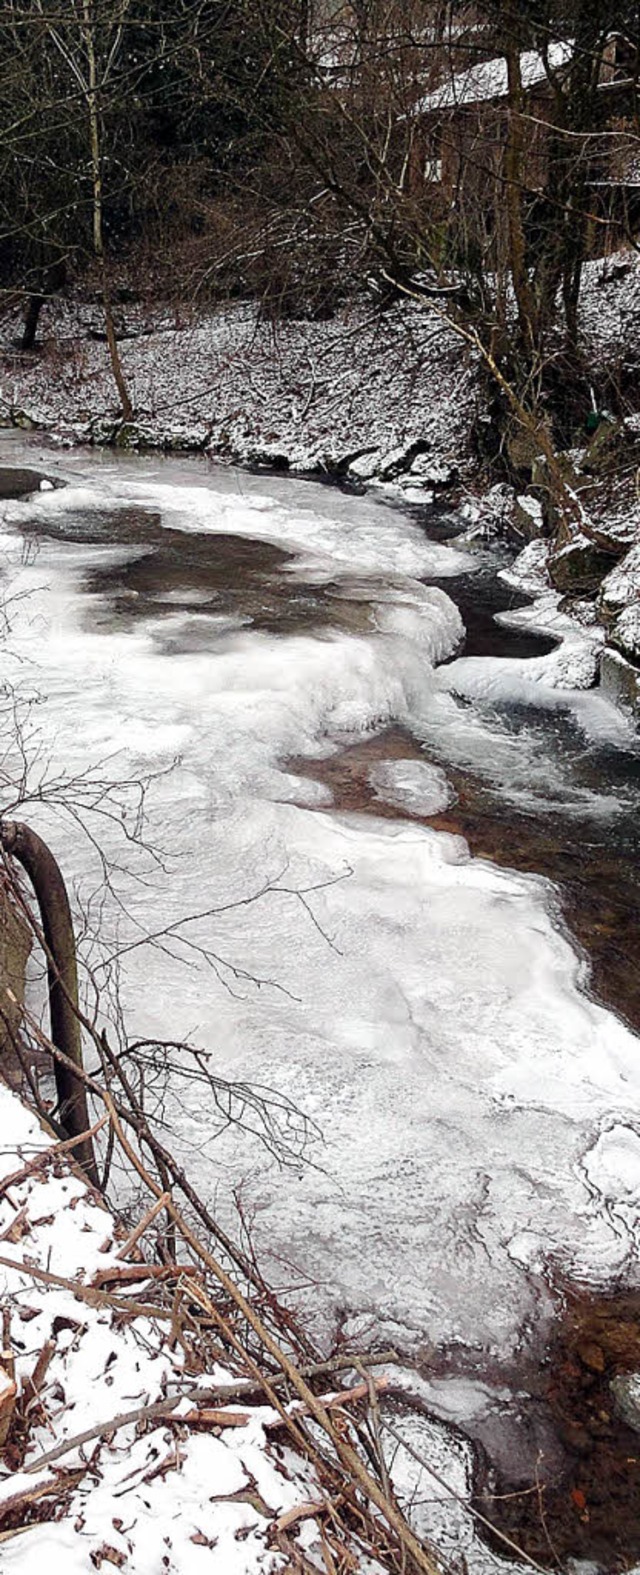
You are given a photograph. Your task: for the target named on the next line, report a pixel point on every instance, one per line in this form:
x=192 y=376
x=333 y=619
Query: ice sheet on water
x=419 y=1004
x=330 y=534
x=612 y=1165
x=514 y=748
x=411 y=785
x=489 y=714
x=432 y=1475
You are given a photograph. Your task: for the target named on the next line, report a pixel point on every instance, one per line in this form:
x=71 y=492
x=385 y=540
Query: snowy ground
x=313 y=393
x=146 y=1500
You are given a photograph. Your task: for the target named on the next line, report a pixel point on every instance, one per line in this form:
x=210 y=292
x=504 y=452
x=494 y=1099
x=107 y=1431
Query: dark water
x=480 y=597
x=205 y=576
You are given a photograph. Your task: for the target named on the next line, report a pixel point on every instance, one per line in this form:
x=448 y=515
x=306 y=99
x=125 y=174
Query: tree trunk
x=98 y=234
x=514 y=166
x=31 y=319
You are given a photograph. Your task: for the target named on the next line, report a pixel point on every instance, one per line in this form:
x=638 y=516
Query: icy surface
x=423 y=1007
x=411 y=785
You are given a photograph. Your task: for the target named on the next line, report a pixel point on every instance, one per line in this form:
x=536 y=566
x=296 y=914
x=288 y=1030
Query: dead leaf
x=107 y=1555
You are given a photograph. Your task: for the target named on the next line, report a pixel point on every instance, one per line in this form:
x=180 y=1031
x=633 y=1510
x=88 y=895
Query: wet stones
x=620 y=681
x=625 y=634
x=578 y=567
x=591 y=1504
x=621 y=587
x=528 y=518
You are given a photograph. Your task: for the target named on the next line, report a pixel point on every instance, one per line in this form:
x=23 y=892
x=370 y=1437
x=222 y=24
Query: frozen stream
x=480 y=1114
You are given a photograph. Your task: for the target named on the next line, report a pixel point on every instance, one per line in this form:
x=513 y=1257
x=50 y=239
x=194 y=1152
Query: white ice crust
x=425 y=1008
x=411 y=785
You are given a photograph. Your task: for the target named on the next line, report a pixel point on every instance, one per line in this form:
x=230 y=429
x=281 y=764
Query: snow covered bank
x=363 y=395
x=388 y=401
x=142 y=1496
x=592 y=635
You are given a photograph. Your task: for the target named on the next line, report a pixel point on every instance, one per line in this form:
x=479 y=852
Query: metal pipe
x=57 y=928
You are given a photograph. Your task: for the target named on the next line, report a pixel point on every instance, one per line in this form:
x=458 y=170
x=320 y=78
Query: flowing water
x=361 y=795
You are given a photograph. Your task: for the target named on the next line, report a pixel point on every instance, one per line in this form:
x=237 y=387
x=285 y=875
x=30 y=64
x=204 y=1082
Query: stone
x=626 y=1393
x=399 y=460
x=591 y=1355
x=620 y=681
x=523 y=447
x=24 y=422
x=127 y=435
x=613 y=444
x=579 y=566
x=363 y=465
x=567 y=468
x=624 y=636
x=434 y=472
x=527 y=517
x=621 y=586
x=19 y=483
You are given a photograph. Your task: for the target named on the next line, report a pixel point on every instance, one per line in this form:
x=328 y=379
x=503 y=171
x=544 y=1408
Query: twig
x=347 y=1456
x=47 y=1156
x=372 y=1392
x=146 y=1220
x=163 y=1410
x=333 y=1402
x=34 y=1384
x=130 y=1273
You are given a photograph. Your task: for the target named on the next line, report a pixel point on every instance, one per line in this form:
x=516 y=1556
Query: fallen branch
x=47 y=1156
x=87 y=1293
x=131 y=1273
x=333 y=1402
x=162 y=1410
x=33 y=1385
x=291 y=1517
x=53 y=1488
x=214 y=1418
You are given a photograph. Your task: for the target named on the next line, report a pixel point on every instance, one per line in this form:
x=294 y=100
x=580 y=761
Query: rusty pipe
x=44 y=873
